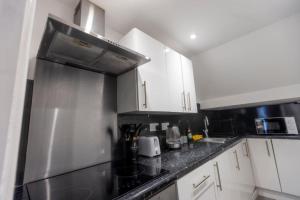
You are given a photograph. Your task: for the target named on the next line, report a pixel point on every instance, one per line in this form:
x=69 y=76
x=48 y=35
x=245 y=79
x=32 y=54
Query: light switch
x=164 y=126
x=153 y=127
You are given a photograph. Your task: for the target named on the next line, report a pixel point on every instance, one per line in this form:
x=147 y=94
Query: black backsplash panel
x=184 y=121
x=228 y=122
x=243 y=118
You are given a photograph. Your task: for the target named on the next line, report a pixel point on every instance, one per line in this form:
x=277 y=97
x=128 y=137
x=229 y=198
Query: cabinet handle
x=202 y=181
x=237 y=160
x=145 y=93
x=268 y=150
x=189 y=99
x=219 y=185
x=247 y=149
x=184 y=103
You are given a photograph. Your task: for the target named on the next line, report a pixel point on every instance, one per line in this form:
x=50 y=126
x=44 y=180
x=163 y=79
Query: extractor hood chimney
x=90 y=17
x=84 y=46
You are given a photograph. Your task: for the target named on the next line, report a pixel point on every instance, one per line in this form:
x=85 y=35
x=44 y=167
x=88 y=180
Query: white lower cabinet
x=233 y=174
x=263 y=164
x=197 y=185
x=226 y=180
x=288 y=163
x=245 y=173
x=208 y=194
x=167 y=194
x=227 y=177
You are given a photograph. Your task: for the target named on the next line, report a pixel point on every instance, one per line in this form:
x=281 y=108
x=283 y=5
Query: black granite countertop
x=182 y=161
x=178 y=163
x=289 y=137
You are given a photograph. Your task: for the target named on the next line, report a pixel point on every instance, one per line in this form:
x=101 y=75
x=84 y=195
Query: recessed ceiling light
x=167 y=50
x=193 y=36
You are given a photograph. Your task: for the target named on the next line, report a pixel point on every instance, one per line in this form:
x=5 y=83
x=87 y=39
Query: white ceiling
x=214 y=21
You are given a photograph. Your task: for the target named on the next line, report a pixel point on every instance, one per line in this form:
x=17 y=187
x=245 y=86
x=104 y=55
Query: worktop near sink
x=183 y=161
x=288 y=137
x=179 y=163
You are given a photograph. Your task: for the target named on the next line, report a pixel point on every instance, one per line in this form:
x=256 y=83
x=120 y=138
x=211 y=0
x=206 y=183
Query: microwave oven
x=276 y=125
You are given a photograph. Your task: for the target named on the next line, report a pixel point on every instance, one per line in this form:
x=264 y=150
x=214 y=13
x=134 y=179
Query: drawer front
x=194 y=184
x=208 y=194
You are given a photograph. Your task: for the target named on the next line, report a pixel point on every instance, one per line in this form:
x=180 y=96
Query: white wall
x=112 y=34
x=63 y=9
x=262 y=63
x=16 y=21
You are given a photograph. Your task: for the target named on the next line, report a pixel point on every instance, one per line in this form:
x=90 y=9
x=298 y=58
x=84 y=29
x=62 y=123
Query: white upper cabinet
x=263 y=164
x=151 y=78
x=288 y=163
x=165 y=84
x=175 y=81
x=189 y=84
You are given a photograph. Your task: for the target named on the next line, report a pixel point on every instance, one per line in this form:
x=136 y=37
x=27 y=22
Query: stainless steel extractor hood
x=90 y=17
x=75 y=46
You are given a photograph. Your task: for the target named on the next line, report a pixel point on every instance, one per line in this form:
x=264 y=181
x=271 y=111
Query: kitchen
x=107 y=99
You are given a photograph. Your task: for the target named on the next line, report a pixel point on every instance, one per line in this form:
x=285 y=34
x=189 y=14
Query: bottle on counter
x=189 y=135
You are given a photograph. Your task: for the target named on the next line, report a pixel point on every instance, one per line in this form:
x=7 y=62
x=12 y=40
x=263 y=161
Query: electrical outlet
x=153 y=127
x=164 y=126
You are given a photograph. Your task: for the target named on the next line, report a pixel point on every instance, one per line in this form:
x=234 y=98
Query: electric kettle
x=173 y=137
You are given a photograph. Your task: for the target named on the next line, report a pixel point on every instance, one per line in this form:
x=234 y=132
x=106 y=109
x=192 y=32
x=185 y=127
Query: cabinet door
x=263 y=164
x=176 y=93
x=167 y=194
x=245 y=174
x=288 y=163
x=152 y=78
x=226 y=180
x=198 y=184
x=189 y=84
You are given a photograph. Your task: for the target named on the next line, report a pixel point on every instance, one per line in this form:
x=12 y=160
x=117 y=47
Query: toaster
x=149 y=146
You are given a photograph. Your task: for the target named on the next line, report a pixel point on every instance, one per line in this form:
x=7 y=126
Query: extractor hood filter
x=70 y=45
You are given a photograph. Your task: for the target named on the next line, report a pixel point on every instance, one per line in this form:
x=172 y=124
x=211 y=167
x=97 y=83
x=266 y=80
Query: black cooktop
x=104 y=181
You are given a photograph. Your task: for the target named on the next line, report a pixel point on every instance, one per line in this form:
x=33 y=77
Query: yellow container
x=197 y=137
